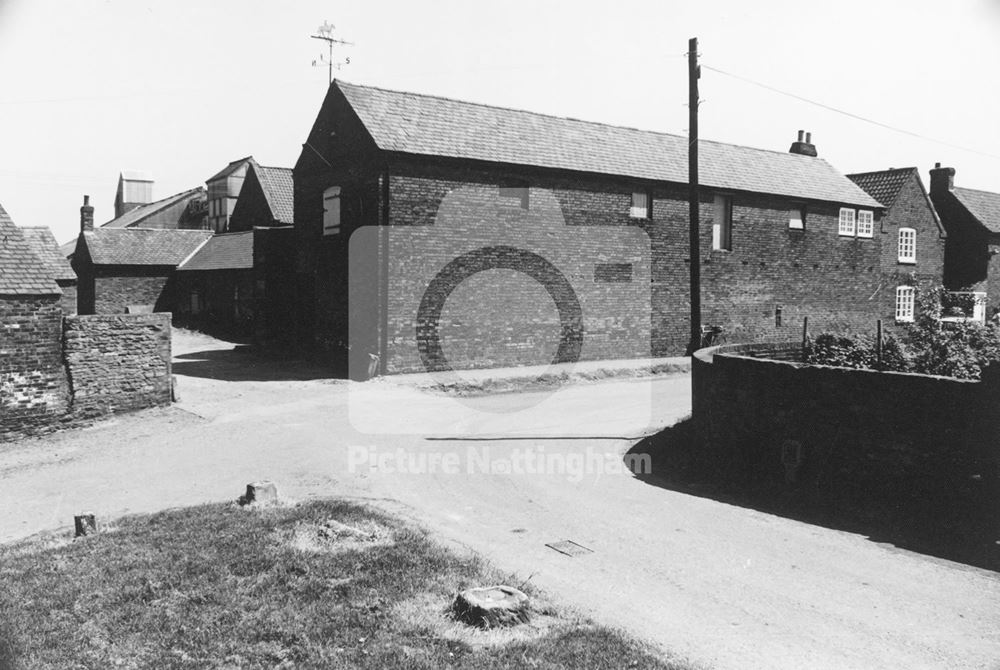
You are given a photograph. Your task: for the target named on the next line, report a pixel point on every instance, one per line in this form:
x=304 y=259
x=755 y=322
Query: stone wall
x=34 y=391
x=118 y=362
x=757 y=416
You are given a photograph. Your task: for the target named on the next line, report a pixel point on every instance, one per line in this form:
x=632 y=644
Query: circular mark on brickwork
x=497 y=258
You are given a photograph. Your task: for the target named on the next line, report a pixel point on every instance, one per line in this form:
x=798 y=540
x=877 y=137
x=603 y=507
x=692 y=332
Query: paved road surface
x=722 y=585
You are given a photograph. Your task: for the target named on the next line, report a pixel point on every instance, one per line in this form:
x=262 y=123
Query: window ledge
x=906 y=262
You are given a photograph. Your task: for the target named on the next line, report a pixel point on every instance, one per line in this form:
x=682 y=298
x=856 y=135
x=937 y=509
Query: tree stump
x=85 y=524
x=491 y=607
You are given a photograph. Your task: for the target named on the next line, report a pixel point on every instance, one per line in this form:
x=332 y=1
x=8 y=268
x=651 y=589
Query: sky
x=179 y=88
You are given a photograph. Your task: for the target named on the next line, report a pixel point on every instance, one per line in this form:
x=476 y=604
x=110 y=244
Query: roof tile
x=984 y=205
x=426 y=125
x=143 y=246
x=21 y=272
x=228 y=251
x=43 y=244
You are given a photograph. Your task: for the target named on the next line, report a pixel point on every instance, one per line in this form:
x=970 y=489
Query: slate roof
x=425 y=125
x=134 y=217
x=883 y=185
x=228 y=251
x=983 y=205
x=21 y=272
x=43 y=244
x=229 y=169
x=143 y=246
x=277 y=185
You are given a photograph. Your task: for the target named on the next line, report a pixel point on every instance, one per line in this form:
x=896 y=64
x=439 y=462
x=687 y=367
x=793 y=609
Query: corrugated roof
x=134 y=217
x=883 y=185
x=228 y=251
x=143 y=246
x=43 y=244
x=229 y=169
x=279 y=190
x=983 y=205
x=21 y=272
x=425 y=125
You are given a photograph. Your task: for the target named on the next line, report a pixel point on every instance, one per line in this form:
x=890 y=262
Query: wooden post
x=878 y=344
x=694 y=221
x=805 y=335
x=84 y=524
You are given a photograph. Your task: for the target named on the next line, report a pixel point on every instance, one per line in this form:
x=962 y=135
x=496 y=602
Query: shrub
x=929 y=345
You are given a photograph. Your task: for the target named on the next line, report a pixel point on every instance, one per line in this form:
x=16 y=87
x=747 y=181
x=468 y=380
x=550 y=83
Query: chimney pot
x=809 y=138
x=803 y=145
x=86 y=215
x=801 y=133
x=942 y=179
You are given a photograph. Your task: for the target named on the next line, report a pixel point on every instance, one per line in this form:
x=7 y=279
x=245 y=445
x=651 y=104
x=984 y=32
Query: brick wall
x=861 y=426
x=69 y=297
x=34 y=392
x=813 y=273
x=118 y=362
x=116 y=289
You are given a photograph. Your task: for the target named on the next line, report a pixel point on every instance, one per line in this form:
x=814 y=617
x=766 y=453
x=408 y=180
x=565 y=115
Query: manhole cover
x=569 y=548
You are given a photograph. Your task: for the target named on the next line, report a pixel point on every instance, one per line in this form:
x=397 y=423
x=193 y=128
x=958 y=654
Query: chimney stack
x=804 y=147
x=942 y=179
x=86 y=215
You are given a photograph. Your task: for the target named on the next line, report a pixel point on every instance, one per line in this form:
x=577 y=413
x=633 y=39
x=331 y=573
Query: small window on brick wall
x=846 y=225
x=722 y=223
x=514 y=193
x=904 y=303
x=866 y=223
x=642 y=205
x=331 y=211
x=907 y=245
x=797 y=218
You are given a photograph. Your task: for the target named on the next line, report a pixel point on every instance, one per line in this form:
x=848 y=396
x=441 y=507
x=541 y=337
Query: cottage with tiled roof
x=127 y=269
x=972 y=219
x=43 y=244
x=912 y=239
x=558 y=238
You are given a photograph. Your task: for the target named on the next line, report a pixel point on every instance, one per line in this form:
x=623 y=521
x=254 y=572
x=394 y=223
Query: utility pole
x=325 y=33
x=694 y=223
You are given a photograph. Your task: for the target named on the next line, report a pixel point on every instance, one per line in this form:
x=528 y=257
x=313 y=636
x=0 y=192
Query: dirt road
x=722 y=585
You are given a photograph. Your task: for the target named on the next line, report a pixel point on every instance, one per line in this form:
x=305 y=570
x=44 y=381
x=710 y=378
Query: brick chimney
x=86 y=215
x=804 y=145
x=942 y=179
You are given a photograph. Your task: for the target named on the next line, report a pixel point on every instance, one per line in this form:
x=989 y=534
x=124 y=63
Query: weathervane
x=325 y=33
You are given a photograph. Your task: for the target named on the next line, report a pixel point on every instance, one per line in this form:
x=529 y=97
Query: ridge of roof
x=446 y=127
x=230 y=168
x=149 y=209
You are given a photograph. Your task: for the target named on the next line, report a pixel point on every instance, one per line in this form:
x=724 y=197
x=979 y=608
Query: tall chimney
x=86 y=215
x=804 y=147
x=942 y=179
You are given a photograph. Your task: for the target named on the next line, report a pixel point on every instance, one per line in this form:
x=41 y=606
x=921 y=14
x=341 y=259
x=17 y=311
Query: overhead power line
x=850 y=114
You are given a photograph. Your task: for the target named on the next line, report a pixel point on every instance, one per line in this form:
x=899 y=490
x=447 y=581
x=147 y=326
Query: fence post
x=878 y=344
x=805 y=335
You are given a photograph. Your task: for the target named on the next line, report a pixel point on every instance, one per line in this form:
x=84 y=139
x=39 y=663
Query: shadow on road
x=241 y=364
x=960 y=526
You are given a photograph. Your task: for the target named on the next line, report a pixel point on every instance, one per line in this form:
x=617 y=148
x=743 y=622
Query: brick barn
x=972 y=219
x=554 y=231
x=215 y=286
x=912 y=239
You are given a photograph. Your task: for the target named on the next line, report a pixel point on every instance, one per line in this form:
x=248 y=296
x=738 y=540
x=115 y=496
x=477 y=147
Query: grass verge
x=325 y=584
